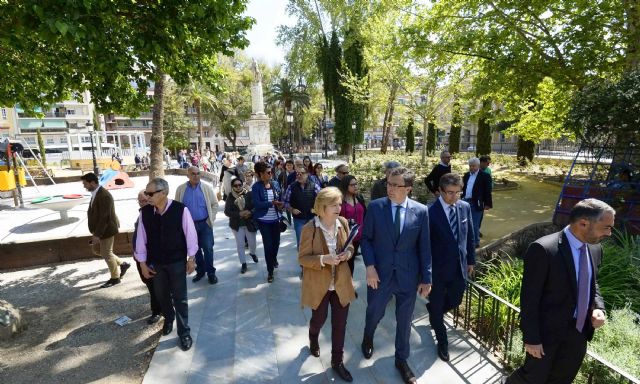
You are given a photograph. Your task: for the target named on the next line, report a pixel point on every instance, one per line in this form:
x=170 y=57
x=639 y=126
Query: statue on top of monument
x=257 y=75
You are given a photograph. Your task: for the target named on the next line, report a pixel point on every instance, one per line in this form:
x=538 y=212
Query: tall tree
x=286 y=95
x=196 y=93
x=114 y=46
x=411 y=137
x=456 y=128
x=483 y=138
x=432 y=136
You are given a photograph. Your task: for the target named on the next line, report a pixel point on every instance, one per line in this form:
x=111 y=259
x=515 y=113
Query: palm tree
x=285 y=94
x=196 y=94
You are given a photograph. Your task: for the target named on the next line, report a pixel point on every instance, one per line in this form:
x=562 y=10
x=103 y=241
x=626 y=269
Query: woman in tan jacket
x=326 y=278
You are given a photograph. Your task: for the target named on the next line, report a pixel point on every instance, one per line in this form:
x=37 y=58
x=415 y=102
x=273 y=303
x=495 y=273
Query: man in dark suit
x=453 y=253
x=341 y=171
x=397 y=252
x=432 y=181
x=560 y=300
x=477 y=192
x=103 y=225
x=379 y=188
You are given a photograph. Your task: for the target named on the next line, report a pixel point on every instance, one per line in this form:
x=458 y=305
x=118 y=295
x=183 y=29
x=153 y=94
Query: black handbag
x=282 y=225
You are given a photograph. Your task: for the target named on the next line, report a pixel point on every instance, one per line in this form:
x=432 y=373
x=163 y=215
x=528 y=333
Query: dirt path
x=70 y=335
x=533 y=202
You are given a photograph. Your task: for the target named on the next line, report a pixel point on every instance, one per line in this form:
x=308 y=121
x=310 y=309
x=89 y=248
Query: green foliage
x=619 y=273
x=456 y=128
x=503 y=276
x=525 y=151
x=606 y=106
x=176 y=125
x=432 y=134
x=43 y=155
x=411 y=137
x=52 y=49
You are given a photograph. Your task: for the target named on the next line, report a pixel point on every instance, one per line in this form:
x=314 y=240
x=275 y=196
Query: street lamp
x=353 y=128
x=89 y=127
x=290 y=121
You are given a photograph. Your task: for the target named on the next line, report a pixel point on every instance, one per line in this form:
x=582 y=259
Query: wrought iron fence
x=493 y=322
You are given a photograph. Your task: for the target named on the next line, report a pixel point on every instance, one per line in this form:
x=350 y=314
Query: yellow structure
x=8 y=180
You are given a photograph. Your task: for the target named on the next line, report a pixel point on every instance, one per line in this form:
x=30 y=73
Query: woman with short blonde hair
x=326 y=279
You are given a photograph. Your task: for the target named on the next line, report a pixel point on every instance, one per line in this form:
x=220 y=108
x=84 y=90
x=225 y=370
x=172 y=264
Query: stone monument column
x=258 y=123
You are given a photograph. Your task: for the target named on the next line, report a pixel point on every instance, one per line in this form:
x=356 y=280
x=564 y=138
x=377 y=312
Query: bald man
x=202 y=203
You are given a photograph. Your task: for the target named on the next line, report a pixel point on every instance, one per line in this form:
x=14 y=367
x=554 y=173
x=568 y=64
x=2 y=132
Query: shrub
x=619 y=273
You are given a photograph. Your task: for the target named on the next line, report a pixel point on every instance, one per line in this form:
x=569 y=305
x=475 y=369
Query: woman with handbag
x=265 y=195
x=238 y=208
x=326 y=279
x=318 y=177
x=353 y=209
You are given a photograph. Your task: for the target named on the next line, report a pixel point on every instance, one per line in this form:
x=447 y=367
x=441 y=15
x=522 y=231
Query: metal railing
x=493 y=322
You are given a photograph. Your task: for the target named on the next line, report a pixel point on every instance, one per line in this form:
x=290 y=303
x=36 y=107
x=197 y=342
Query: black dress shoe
x=367 y=347
x=167 y=328
x=342 y=372
x=276 y=264
x=123 y=268
x=186 y=342
x=213 y=279
x=198 y=277
x=153 y=319
x=110 y=283
x=254 y=257
x=407 y=375
x=270 y=279
x=443 y=352
x=314 y=347
x=244 y=268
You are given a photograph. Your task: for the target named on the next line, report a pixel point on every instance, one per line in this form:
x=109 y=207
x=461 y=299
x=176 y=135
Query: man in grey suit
x=397 y=253
x=454 y=254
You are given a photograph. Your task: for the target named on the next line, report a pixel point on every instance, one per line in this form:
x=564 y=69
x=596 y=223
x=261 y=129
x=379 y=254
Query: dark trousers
x=352 y=261
x=338 y=324
x=155 y=303
x=377 y=300
x=204 y=256
x=559 y=365
x=171 y=290
x=443 y=298
x=270 y=233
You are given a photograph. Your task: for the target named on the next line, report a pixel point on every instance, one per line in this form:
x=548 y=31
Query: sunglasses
x=150 y=194
x=268 y=172
x=344 y=173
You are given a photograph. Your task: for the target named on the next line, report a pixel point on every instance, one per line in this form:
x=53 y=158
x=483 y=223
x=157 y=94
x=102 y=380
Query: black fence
x=549 y=148
x=493 y=322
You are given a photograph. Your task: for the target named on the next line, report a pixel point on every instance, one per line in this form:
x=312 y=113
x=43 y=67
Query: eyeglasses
x=452 y=193
x=150 y=194
x=392 y=185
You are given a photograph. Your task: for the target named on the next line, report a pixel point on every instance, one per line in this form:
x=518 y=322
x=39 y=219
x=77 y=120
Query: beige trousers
x=105 y=250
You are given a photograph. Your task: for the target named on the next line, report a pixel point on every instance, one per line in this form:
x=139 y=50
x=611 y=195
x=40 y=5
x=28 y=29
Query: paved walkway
x=248 y=331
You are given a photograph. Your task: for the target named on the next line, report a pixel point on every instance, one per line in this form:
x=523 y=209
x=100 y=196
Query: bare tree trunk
x=388 y=117
x=196 y=102
x=156 y=168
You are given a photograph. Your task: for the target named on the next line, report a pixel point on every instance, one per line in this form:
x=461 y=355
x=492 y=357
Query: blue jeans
x=297 y=226
x=204 y=256
x=270 y=233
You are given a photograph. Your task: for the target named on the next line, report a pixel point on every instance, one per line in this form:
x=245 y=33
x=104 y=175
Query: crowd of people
x=406 y=247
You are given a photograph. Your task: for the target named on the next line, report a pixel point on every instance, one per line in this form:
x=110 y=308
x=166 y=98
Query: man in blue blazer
x=397 y=253
x=454 y=255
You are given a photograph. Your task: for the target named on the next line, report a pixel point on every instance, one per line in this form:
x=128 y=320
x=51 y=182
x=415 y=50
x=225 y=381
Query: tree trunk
x=432 y=136
x=196 y=102
x=632 y=14
x=423 y=149
x=156 y=168
x=388 y=117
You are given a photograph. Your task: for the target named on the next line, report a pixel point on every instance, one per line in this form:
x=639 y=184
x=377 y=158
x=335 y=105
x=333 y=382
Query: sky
x=269 y=14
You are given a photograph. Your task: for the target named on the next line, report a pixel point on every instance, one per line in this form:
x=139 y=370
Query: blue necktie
x=453 y=221
x=396 y=222
x=583 y=288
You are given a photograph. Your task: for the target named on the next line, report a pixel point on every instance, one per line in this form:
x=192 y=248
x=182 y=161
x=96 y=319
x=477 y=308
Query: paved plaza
x=248 y=331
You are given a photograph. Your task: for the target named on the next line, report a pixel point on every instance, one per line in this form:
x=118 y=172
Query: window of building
x=30 y=140
x=85 y=139
x=50 y=141
x=71 y=111
x=4 y=113
x=63 y=140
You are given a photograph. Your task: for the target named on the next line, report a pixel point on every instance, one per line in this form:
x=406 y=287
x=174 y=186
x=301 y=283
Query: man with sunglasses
x=164 y=238
x=203 y=206
x=341 y=171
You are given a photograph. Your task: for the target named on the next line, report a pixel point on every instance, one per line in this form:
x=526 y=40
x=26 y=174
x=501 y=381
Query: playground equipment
x=60 y=203
x=115 y=178
x=606 y=173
